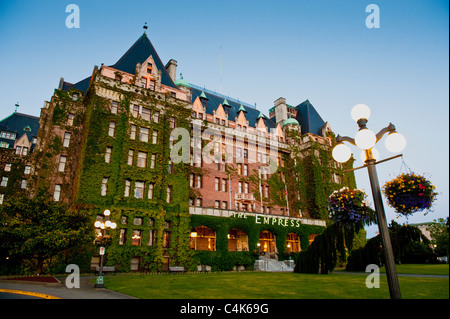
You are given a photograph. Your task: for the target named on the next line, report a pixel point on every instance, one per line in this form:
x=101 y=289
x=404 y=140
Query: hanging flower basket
x=349 y=206
x=409 y=193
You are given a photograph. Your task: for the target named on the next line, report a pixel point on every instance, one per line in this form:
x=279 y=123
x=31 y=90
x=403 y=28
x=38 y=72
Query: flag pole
x=287 y=201
x=260 y=189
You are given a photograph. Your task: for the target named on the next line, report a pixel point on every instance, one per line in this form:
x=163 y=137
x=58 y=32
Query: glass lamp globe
x=107 y=212
x=341 y=153
x=97 y=224
x=108 y=223
x=375 y=155
x=360 y=111
x=395 y=142
x=365 y=139
x=113 y=225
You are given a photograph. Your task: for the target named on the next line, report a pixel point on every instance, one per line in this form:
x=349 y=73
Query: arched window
x=237 y=240
x=267 y=242
x=203 y=238
x=293 y=243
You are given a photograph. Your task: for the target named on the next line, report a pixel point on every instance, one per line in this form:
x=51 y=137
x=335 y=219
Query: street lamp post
x=102 y=226
x=366 y=140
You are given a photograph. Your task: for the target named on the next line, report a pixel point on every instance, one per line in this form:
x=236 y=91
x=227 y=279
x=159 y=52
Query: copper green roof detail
x=203 y=95
x=181 y=81
x=225 y=102
x=261 y=115
x=290 y=121
x=242 y=108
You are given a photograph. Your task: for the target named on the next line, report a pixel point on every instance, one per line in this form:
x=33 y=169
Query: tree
x=439 y=236
x=37 y=229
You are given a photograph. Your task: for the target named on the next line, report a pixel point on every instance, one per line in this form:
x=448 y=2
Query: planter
x=348 y=206
x=409 y=193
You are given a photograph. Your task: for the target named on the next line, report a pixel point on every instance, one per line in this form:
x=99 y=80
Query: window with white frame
x=62 y=163
x=57 y=193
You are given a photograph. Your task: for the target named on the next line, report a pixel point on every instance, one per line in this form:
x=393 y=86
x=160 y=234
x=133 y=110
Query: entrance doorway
x=267 y=243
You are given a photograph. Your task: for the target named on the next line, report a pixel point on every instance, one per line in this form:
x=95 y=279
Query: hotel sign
x=271 y=220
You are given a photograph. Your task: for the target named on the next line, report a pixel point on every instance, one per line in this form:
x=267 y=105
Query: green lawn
x=424 y=269
x=255 y=285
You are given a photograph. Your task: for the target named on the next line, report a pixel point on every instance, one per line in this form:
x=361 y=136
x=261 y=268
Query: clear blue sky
x=317 y=50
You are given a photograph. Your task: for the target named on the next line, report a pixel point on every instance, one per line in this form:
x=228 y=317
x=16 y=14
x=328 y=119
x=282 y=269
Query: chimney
x=280 y=110
x=61 y=83
x=171 y=68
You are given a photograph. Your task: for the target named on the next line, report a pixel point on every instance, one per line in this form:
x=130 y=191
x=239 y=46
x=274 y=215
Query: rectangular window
x=156 y=117
x=4 y=181
x=135 y=110
x=57 y=193
x=139 y=190
x=111 y=129
x=224 y=204
x=240 y=187
x=18 y=150
x=142 y=159
x=169 y=194
x=70 y=119
x=143 y=134
x=245 y=170
x=166 y=239
x=130 y=157
x=191 y=180
x=2 y=197
x=27 y=169
x=144 y=83
x=122 y=236
x=114 y=107
x=217 y=204
x=153 y=161
x=108 y=154
x=224 y=185
x=104 y=188
x=199 y=181
x=23 y=184
x=145 y=113
x=155 y=137
x=62 y=163
x=216 y=183
x=150 y=237
x=25 y=151
x=199 y=202
x=246 y=188
x=8 y=167
x=172 y=122
x=151 y=189
x=127 y=188
x=133 y=132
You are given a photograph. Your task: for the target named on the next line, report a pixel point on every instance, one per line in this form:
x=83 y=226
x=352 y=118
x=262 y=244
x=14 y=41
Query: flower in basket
x=409 y=193
x=349 y=206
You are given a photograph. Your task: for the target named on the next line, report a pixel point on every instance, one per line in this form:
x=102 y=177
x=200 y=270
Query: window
x=191 y=180
x=8 y=167
x=108 y=154
x=155 y=137
x=127 y=188
x=151 y=237
x=169 y=194
x=18 y=150
x=145 y=113
x=199 y=202
x=25 y=151
x=149 y=68
x=4 y=145
x=156 y=117
x=135 y=110
x=75 y=97
x=143 y=134
x=133 y=132
x=66 y=140
x=245 y=153
x=224 y=185
x=144 y=83
x=240 y=187
x=246 y=188
x=124 y=220
x=27 y=169
x=23 y=184
x=2 y=197
x=122 y=236
x=239 y=169
x=199 y=181
x=114 y=107
x=204 y=239
x=166 y=239
x=130 y=157
x=4 y=182
x=57 y=193
x=112 y=128
x=172 y=122
x=151 y=189
x=238 y=152
x=217 y=204
x=104 y=188
x=224 y=204
x=136 y=238
x=70 y=119
x=139 y=190
x=237 y=240
x=170 y=167
x=142 y=159
x=217 y=183
x=62 y=163
x=293 y=243
x=245 y=170
x=152 y=85
x=173 y=94
x=153 y=161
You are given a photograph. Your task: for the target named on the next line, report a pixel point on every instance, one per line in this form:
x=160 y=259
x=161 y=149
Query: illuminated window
x=203 y=238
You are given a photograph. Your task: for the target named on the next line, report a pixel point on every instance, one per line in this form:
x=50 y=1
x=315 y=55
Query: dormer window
x=149 y=68
x=75 y=96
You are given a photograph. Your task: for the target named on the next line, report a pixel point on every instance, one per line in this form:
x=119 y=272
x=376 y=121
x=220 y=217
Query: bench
x=176 y=269
x=105 y=268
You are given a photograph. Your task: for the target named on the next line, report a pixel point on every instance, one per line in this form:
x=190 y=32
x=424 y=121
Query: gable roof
x=309 y=119
x=214 y=100
x=138 y=53
x=17 y=123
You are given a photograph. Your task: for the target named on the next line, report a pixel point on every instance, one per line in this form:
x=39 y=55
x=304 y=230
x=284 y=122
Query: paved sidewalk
x=86 y=290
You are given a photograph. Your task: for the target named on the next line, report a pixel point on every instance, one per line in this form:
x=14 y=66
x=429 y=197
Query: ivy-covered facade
x=105 y=143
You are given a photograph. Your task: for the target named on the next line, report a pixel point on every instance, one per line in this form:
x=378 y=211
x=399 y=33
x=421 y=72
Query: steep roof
x=138 y=53
x=309 y=119
x=20 y=124
x=214 y=100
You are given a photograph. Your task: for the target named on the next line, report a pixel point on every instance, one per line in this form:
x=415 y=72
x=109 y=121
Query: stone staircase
x=270 y=264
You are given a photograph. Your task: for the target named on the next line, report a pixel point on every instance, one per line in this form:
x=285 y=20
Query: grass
x=423 y=269
x=264 y=285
